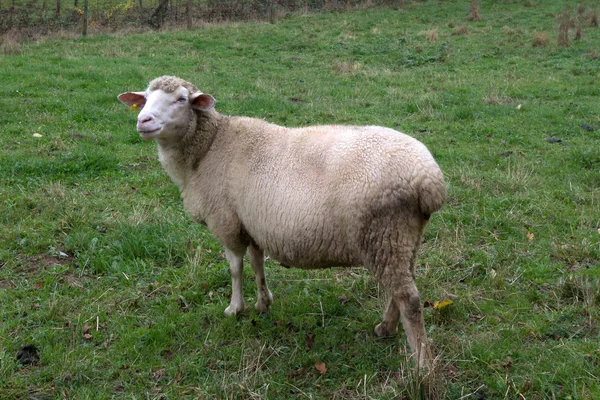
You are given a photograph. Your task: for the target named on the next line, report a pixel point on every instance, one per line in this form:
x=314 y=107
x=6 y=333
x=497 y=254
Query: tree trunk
x=57 y=8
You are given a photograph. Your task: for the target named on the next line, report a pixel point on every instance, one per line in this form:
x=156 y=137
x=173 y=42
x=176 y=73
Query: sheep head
x=167 y=106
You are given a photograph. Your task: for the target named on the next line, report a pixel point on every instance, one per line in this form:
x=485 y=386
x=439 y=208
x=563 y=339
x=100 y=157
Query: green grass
x=94 y=240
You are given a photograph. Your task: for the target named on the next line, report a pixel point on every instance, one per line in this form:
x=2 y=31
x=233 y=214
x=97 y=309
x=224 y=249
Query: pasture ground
x=123 y=295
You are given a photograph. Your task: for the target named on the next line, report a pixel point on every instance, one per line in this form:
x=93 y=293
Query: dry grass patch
x=431 y=35
x=346 y=67
x=540 y=39
x=461 y=30
x=579 y=32
x=10 y=43
x=347 y=36
x=496 y=99
x=564 y=23
x=594 y=19
x=474 y=11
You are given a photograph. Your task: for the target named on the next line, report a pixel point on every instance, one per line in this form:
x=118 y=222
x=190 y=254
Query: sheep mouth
x=148 y=134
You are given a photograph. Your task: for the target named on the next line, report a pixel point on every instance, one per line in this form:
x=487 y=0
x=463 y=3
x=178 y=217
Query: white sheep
x=314 y=197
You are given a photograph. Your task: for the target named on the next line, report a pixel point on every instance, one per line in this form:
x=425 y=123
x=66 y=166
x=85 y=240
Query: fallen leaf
x=36 y=135
x=530 y=236
x=38 y=285
x=441 y=304
x=87 y=336
x=519 y=107
x=86 y=328
x=321 y=367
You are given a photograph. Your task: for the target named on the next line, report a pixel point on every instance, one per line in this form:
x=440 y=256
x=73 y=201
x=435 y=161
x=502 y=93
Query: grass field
x=123 y=295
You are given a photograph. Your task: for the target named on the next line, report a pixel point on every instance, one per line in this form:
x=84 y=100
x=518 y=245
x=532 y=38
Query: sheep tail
x=432 y=193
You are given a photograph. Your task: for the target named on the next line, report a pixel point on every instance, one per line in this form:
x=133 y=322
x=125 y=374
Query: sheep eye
x=182 y=99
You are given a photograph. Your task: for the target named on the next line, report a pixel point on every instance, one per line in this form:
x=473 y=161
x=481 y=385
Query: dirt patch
x=42 y=261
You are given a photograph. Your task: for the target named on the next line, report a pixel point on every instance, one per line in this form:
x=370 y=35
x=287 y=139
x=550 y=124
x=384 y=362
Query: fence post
x=85 y=18
x=188 y=10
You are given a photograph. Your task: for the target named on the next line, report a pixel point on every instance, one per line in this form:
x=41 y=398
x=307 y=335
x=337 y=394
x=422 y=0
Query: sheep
x=312 y=197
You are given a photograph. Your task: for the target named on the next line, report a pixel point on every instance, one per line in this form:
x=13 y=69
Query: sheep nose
x=142 y=119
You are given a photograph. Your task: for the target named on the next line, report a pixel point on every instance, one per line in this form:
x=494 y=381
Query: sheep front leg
x=264 y=297
x=236 y=267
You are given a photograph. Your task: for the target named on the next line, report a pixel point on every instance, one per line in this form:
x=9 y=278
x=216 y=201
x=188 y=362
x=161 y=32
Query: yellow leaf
x=441 y=304
x=134 y=107
x=36 y=135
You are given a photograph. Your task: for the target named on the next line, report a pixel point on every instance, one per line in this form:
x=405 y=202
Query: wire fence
x=47 y=16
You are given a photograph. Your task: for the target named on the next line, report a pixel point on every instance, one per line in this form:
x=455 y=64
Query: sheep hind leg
x=236 y=267
x=264 y=296
x=389 y=325
x=411 y=311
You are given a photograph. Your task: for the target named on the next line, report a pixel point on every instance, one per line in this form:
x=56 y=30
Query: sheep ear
x=130 y=99
x=203 y=102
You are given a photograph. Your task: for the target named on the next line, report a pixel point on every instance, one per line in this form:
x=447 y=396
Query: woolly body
x=311 y=197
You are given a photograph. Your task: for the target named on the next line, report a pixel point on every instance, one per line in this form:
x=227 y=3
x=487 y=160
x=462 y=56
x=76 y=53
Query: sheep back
x=318 y=196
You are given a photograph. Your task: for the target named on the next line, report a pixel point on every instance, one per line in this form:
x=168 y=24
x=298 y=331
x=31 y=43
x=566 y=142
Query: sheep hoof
x=381 y=330
x=263 y=304
x=234 y=309
x=261 y=307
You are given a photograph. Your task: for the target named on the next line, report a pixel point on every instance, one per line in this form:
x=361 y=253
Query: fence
x=46 y=16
